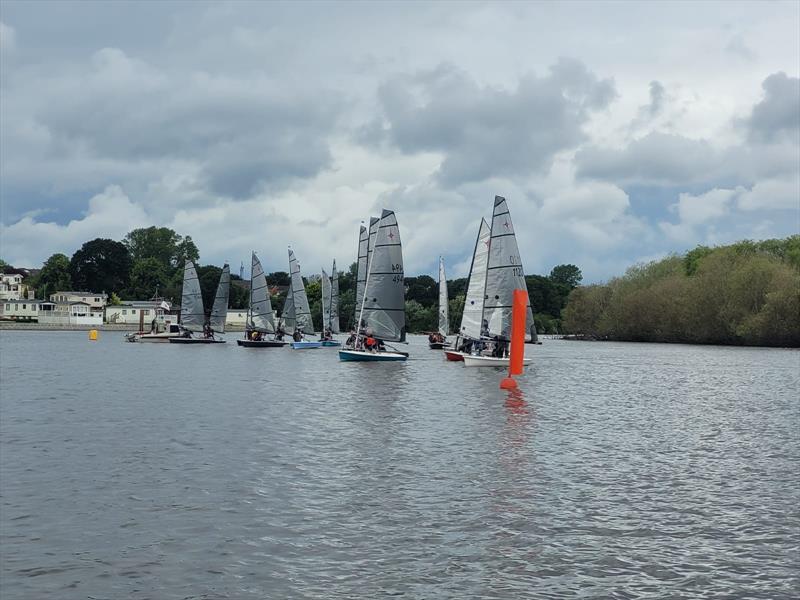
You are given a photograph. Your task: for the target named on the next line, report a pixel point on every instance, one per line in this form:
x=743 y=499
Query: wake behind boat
x=382 y=317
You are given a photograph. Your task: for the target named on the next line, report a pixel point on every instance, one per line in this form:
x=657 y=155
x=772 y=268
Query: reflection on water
x=614 y=470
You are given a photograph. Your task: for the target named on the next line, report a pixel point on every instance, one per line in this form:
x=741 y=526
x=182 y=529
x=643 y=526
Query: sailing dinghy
x=440 y=341
x=382 y=315
x=504 y=274
x=192 y=313
x=330 y=308
x=470 y=331
x=260 y=318
x=300 y=311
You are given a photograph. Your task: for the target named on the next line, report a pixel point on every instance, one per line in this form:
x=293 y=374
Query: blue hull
x=330 y=343
x=359 y=356
x=305 y=345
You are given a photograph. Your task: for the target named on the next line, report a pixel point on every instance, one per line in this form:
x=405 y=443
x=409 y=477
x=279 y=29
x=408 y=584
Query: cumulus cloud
x=484 y=131
x=110 y=214
x=777 y=116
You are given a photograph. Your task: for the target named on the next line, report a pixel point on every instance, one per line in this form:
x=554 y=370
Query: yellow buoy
x=93 y=335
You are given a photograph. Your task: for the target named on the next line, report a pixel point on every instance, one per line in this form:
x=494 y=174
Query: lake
x=617 y=471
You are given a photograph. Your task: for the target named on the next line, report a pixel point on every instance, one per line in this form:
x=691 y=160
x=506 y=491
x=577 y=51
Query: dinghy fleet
x=482 y=338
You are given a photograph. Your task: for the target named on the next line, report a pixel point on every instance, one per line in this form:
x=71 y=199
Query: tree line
x=148 y=262
x=745 y=293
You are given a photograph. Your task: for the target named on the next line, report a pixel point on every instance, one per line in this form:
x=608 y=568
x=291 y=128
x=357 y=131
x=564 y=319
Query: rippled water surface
x=619 y=470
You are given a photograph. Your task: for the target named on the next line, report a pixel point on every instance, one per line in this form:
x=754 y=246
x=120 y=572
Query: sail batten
x=383 y=305
x=444 y=321
x=219 y=310
x=476 y=287
x=192 y=313
x=260 y=315
x=504 y=274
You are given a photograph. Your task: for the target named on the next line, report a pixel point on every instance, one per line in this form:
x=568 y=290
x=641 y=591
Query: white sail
x=326 y=301
x=361 y=273
x=504 y=274
x=219 y=311
x=476 y=287
x=334 y=299
x=287 y=314
x=302 y=313
x=260 y=316
x=383 y=308
x=192 y=314
x=371 y=233
x=444 y=321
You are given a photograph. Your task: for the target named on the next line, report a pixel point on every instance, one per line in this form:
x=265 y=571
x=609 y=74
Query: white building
x=96 y=301
x=69 y=313
x=139 y=312
x=237 y=317
x=19 y=310
x=11 y=286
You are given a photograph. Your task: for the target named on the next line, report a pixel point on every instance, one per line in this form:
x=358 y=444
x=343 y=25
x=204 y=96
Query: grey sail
x=302 y=313
x=219 y=311
x=383 y=310
x=372 y=233
x=476 y=287
x=192 y=314
x=361 y=273
x=287 y=315
x=260 y=316
x=326 y=300
x=504 y=274
x=444 y=321
x=334 y=299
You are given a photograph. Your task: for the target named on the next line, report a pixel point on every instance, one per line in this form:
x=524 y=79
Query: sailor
x=370 y=343
x=297 y=336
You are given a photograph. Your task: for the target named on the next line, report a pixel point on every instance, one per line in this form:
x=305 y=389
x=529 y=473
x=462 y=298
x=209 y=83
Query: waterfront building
x=138 y=312
x=237 y=317
x=19 y=310
x=96 y=301
x=69 y=313
x=11 y=287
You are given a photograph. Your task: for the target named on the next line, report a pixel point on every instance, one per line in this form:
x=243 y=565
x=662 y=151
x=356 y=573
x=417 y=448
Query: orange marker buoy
x=518 y=313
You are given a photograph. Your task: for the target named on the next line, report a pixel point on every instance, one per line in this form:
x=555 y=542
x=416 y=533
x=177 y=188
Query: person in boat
x=279 y=334
x=370 y=344
x=207 y=331
x=297 y=336
x=351 y=340
x=327 y=335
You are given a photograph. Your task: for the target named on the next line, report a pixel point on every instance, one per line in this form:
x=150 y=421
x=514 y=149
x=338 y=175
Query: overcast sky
x=618 y=132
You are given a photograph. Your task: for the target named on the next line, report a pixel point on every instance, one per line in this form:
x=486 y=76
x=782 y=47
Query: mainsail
x=361 y=274
x=219 y=311
x=259 y=317
x=326 y=300
x=504 y=274
x=192 y=314
x=334 y=299
x=476 y=287
x=444 y=322
x=302 y=313
x=383 y=307
x=287 y=314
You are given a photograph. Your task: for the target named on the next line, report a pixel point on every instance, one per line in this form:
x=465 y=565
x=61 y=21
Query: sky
x=618 y=132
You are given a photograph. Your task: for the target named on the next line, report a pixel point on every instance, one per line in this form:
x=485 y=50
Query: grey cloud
x=657 y=98
x=488 y=131
x=777 y=116
x=244 y=132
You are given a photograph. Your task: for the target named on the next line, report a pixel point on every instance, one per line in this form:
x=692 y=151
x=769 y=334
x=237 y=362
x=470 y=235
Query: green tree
x=149 y=277
x=53 y=277
x=568 y=275
x=279 y=278
x=420 y=318
x=423 y=289
x=101 y=265
x=162 y=244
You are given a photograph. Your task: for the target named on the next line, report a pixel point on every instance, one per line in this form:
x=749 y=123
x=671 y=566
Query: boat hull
x=185 y=340
x=454 y=356
x=490 y=361
x=331 y=344
x=364 y=356
x=305 y=345
x=437 y=345
x=261 y=344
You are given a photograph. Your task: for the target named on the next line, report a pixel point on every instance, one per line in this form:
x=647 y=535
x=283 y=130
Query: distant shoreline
x=22 y=326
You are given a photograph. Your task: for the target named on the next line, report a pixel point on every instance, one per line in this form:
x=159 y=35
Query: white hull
x=151 y=337
x=490 y=361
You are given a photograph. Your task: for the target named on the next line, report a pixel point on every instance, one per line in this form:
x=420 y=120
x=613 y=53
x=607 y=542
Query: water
x=619 y=471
